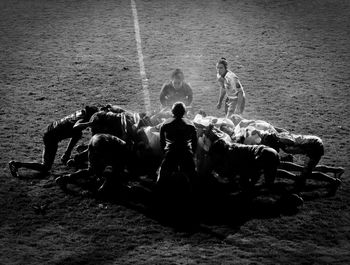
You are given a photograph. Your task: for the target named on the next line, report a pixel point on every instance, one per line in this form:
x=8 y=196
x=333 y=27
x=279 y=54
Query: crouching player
x=104 y=151
x=246 y=161
x=55 y=133
x=312 y=147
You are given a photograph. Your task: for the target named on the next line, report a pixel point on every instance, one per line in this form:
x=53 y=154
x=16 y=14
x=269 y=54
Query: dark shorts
x=267 y=158
x=309 y=145
x=248 y=160
x=313 y=147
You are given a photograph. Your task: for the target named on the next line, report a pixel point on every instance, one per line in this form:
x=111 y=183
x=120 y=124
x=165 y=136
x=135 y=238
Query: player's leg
x=324 y=177
x=240 y=105
x=62 y=181
x=48 y=158
x=226 y=106
x=230 y=106
x=15 y=165
x=290 y=166
x=337 y=171
x=312 y=147
x=79 y=158
x=268 y=161
x=189 y=167
x=282 y=173
x=113 y=172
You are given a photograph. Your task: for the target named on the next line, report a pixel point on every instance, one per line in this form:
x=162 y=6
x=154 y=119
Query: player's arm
x=77 y=134
x=72 y=142
x=164 y=95
x=222 y=92
x=240 y=95
x=81 y=125
x=189 y=95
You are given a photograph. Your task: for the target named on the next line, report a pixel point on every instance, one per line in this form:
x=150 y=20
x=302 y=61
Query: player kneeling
x=245 y=161
x=104 y=151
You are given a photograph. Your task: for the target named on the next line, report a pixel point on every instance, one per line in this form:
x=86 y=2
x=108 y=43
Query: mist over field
x=293 y=60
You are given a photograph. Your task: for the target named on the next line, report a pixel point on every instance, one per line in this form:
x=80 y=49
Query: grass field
x=292 y=57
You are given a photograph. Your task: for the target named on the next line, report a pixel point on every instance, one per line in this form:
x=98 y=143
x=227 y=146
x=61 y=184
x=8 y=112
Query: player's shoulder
x=167 y=85
x=167 y=122
x=98 y=115
x=230 y=75
x=186 y=85
x=188 y=122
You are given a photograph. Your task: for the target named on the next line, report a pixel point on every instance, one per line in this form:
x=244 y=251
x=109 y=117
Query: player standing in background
x=230 y=87
x=176 y=90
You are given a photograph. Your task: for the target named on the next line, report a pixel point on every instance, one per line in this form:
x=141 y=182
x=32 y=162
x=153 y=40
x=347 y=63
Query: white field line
x=140 y=55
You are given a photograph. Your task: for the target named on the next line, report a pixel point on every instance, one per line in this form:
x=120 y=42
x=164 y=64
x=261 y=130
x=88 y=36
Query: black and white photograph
x=174 y=132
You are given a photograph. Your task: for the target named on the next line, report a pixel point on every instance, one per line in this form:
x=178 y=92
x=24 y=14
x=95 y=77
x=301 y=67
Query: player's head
x=106 y=107
x=177 y=77
x=221 y=66
x=178 y=109
x=90 y=110
x=227 y=129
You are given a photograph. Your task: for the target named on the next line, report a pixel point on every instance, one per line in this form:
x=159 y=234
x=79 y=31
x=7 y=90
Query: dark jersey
x=178 y=135
x=108 y=123
x=236 y=158
x=63 y=128
x=169 y=95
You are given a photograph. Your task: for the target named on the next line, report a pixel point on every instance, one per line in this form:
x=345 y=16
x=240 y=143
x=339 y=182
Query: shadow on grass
x=214 y=204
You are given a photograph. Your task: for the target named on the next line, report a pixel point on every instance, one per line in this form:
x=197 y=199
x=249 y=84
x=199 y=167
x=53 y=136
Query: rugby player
x=176 y=90
x=178 y=140
x=55 y=133
x=231 y=87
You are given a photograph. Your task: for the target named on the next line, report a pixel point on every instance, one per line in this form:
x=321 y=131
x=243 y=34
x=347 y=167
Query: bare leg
x=240 y=104
x=62 y=181
x=281 y=173
x=230 y=106
x=337 y=171
x=32 y=165
x=80 y=174
x=290 y=166
x=79 y=158
x=323 y=177
x=48 y=158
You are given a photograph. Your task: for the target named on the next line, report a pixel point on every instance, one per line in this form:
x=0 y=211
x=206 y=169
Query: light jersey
x=152 y=134
x=245 y=129
x=217 y=122
x=230 y=84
